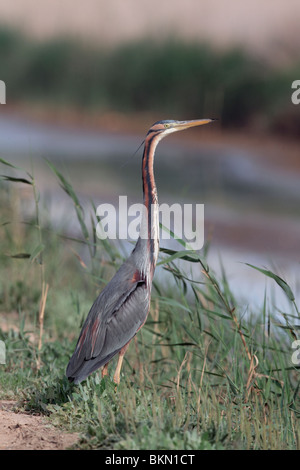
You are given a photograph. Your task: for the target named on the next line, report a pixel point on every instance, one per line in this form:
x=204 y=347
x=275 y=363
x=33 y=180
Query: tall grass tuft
x=200 y=375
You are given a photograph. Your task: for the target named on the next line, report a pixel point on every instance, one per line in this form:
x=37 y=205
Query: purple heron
x=122 y=307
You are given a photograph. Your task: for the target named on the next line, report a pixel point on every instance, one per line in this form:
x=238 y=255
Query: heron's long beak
x=181 y=125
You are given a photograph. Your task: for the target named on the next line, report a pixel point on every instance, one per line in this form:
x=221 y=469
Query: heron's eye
x=167 y=126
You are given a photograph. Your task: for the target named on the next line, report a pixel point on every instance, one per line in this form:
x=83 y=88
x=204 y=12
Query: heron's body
x=122 y=307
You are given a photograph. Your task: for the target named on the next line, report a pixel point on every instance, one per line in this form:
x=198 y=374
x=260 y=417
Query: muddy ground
x=22 y=431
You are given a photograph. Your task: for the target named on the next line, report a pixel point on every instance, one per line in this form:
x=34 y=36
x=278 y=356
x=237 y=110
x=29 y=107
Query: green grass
x=170 y=78
x=205 y=372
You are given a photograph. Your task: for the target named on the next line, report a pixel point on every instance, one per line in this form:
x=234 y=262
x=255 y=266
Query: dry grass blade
x=41 y=320
x=79 y=258
x=185 y=359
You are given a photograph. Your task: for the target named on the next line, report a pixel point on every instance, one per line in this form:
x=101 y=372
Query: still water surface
x=251 y=210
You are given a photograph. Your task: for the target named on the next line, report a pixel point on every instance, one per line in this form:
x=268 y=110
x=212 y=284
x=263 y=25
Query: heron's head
x=163 y=128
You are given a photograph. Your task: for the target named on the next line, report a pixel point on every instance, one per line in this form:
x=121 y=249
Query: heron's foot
x=104 y=370
x=118 y=369
x=117 y=378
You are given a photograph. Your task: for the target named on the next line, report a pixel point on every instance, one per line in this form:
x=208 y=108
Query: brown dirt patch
x=21 y=431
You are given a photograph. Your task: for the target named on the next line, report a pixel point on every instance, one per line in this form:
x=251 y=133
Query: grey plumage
x=122 y=307
x=115 y=317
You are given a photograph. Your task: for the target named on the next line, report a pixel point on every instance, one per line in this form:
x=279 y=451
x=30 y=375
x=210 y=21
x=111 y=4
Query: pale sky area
x=268 y=27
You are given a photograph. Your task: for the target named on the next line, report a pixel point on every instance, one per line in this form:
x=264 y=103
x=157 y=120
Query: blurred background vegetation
x=212 y=367
x=169 y=77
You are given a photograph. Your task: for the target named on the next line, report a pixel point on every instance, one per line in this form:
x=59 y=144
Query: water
x=251 y=210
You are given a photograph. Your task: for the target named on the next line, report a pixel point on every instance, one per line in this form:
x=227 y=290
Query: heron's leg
x=119 y=364
x=104 y=370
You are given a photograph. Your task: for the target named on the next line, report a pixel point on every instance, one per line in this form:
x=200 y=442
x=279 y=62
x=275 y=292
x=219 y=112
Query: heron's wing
x=115 y=317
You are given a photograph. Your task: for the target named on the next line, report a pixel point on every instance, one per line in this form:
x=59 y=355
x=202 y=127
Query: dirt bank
x=22 y=431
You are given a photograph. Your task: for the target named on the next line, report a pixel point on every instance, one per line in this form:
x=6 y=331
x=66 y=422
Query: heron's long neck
x=150 y=223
